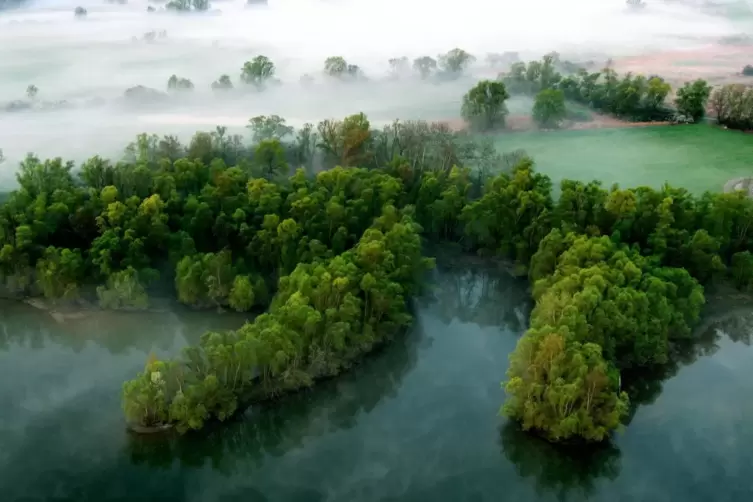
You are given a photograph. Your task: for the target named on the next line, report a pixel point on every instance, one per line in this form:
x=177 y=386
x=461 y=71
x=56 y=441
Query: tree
x=258 y=72
x=455 y=61
x=425 y=66
x=242 y=295
x=32 y=91
x=223 y=83
x=549 y=108
x=346 y=141
x=266 y=127
x=399 y=66
x=79 y=12
x=691 y=99
x=748 y=70
x=175 y=83
x=335 y=66
x=484 y=106
x=656 y=92
x=270 y=157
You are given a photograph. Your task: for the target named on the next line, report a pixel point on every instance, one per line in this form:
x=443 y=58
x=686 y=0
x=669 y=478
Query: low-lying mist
x=89 y=61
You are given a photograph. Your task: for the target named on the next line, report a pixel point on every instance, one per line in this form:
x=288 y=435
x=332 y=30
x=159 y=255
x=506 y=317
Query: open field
x=696 y=157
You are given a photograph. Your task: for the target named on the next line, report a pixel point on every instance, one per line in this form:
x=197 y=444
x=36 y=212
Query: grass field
x=696 y=157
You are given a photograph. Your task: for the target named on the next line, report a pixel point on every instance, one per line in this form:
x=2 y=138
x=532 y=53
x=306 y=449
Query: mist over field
x=89 y=62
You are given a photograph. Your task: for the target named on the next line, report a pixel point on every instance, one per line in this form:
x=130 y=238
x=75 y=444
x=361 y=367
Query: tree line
x=629 y=97
x=333 y=254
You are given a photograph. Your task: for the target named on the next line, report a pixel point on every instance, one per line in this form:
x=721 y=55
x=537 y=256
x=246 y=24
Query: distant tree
x=748 y=70
x=151 y=9
x=656 y=92
x=455 y=61
x=335 y=66
x=691 y=99
x=399 y=66
x=187 y=5
x=31 y=91
x=484 y=107
x=2 y=157
x=265 y=127
x=549 y=108
x=258 y=71
x=223 y=83
x=79 y=12
x=425 y=66
x=175 y=83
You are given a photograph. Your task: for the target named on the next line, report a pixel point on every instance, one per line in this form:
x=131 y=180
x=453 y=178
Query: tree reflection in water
x=569 y=472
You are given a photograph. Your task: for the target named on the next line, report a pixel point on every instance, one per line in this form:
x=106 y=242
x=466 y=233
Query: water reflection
x=415 y=421
x=117 y=332
x=478 y=291
x=567 y=472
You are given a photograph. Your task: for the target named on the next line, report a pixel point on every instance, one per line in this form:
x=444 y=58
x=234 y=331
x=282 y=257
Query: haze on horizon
x=96 y=57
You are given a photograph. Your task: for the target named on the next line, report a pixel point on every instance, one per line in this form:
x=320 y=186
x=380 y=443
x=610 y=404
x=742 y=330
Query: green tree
x=32 y=91
x=258 y=72
x=425 y=66
x=549 y=108
x=484 y=106
x=691 y=99
x=265 y=127
x=223 y=83
x=269 y=156
x=455 y=61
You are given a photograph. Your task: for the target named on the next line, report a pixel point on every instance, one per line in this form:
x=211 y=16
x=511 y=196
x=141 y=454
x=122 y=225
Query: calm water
x=417 y=421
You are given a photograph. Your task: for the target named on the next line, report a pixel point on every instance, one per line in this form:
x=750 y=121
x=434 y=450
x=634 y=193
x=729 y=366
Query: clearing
x=696 y=157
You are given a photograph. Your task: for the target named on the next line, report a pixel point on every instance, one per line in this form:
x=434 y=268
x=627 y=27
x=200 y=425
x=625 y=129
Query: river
x=416 y=421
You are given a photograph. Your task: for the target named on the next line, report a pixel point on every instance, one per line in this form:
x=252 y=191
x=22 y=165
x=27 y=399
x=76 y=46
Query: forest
x=322 y=232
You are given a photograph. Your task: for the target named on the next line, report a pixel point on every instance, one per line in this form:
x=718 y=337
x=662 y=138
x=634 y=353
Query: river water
x=416 y=421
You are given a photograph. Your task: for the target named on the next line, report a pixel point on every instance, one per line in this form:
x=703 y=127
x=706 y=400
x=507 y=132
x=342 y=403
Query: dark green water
x=416 y=422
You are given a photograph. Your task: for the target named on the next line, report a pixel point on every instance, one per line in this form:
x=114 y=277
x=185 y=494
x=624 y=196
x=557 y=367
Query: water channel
x=417 y=421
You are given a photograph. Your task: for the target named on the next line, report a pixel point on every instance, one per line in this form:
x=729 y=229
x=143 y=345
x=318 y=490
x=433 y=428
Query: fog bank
x=79 y=59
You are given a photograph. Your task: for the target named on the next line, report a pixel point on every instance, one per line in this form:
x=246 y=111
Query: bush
x=748 y=70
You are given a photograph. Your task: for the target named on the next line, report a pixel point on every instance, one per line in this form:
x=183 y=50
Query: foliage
x=222 y=83
x=454 y=62
x=187 y=5
x=617 y=273
x=32 y=91
x=632 y=97
x=733 y=106
x=691 y=99
x=258 y=72
x=425 y=66
x=175 y=83
x=549 y=108
x=484 y=106
x=123 y=291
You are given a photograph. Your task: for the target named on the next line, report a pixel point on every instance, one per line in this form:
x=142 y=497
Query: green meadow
x=697 y=157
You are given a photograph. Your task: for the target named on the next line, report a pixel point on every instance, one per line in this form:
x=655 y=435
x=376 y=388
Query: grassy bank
x=696 y=157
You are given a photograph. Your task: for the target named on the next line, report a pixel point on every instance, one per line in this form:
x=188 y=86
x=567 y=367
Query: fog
x=82 y=59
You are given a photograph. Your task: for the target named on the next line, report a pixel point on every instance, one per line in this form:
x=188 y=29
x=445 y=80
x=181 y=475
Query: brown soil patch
x=718 y=64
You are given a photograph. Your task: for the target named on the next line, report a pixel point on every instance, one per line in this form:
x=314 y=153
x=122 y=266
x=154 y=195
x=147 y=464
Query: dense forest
x=323 y=230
